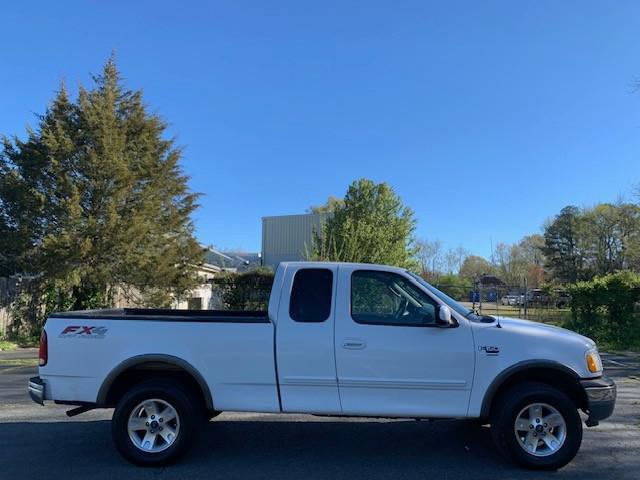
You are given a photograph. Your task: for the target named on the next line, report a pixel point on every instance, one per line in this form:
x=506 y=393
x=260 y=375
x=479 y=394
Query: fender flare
x=508 y=372
x=154 y=357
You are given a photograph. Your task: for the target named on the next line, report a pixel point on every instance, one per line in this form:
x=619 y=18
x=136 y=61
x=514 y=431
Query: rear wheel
x=154 y=423
x=536 y=426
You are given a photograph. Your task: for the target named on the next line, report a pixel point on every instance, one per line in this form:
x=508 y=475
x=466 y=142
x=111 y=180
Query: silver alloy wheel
x=153 y=425
x=540 y=429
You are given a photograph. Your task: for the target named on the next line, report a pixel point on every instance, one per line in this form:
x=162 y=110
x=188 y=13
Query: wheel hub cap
x=153 y=425
x=540 y=429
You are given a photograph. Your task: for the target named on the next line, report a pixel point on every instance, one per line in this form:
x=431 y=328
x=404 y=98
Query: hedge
x=606 y=309
x=243 y=291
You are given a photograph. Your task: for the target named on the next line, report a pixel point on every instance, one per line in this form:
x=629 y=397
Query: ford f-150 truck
x=337 y=339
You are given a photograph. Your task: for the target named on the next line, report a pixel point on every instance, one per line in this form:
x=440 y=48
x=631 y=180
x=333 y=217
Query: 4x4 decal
x=81 y=331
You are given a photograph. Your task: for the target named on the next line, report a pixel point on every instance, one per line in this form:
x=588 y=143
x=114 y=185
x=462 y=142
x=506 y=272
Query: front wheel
x=153 y=423
x=537 y=426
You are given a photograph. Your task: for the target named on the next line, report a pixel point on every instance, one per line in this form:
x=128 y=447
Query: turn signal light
x=594 y=364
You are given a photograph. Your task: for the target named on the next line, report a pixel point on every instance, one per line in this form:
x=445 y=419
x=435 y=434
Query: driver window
x=385 y=298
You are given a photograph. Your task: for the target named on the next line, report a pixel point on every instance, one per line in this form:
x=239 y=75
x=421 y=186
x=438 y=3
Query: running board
x=77 y=411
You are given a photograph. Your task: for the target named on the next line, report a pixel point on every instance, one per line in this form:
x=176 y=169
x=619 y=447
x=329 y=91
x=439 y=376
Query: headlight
x=594 y=364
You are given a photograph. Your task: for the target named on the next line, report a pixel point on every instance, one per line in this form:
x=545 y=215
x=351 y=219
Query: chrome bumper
x=36 y=390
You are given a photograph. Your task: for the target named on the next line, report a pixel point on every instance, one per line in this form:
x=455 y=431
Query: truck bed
x=169 y=315
x=232 y=352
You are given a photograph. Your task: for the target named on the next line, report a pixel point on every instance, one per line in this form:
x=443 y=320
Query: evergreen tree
x=95 y=198
x=563 y=252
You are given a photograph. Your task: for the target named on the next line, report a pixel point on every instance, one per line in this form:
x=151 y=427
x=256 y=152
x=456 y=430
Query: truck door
x=391 y=357
x=305 y=341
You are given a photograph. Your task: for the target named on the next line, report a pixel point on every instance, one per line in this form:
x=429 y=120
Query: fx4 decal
x=80 y=331
x=490 y=350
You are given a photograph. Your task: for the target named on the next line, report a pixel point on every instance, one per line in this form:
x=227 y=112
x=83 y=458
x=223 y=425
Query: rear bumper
x=36 y=390
x=601 y=398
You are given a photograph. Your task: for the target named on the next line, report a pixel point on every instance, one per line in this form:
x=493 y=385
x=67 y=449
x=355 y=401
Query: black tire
x=505 y=413
x=187 y=413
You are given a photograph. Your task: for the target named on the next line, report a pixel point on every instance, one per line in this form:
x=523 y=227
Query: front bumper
x=36 y=390
x=601 y=398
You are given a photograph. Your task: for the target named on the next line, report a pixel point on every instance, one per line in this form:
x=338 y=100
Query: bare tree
x=429 y=254
x=461 y=254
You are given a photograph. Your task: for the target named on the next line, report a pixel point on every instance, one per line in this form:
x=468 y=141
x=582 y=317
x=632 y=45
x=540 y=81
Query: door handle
x=353 y=344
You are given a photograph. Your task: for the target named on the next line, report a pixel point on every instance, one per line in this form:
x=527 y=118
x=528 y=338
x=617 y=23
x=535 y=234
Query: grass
x=19 y=362
x=9 y=345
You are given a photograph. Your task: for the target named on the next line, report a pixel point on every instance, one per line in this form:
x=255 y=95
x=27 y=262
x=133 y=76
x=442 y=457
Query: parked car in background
x=337 y=339
x=562 y=298
x=534 y=297
x=511 y=300
x=537 y=296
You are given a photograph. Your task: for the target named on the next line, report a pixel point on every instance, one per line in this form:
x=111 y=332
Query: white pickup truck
x=338 y=339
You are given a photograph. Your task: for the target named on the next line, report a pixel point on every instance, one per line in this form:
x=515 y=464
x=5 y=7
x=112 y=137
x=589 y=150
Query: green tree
x=604 y=239
x=328 y=207
x=563 y=251
x=629 y=227
x=371 y=226
x=582 y=243
x=95 y=198
x=474 y=267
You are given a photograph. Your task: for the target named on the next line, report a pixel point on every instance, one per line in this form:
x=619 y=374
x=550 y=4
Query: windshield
x=453 y=304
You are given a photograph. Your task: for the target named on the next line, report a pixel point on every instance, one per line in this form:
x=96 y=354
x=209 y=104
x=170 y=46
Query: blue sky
x=485 y=117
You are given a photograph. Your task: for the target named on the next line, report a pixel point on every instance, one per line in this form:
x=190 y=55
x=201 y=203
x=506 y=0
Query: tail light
x=43 y=354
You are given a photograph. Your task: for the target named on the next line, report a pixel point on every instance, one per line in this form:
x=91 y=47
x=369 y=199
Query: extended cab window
x=311 y=295
x=385 y=298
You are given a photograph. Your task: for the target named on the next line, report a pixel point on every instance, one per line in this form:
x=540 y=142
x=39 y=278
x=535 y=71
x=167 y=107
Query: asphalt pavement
x=41 y=442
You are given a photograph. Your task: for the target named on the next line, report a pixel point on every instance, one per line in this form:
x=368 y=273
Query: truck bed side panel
x=235 y=359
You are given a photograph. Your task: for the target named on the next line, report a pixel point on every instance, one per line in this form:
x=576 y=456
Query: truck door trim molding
x=403 y=383
x=309 y=381
x=154 y=357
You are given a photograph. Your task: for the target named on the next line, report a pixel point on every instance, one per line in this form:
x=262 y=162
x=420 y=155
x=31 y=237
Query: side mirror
x=444 y=317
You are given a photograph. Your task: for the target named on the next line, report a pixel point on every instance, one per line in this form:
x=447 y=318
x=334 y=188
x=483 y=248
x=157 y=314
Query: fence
x=512 y=301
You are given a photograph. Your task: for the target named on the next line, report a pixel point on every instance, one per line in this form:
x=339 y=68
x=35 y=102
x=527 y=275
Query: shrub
x=454 y=286
x=605 y=309
x=244 y=291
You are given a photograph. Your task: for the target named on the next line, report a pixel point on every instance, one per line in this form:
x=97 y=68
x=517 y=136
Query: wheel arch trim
x=103 y=392
x=519 y=367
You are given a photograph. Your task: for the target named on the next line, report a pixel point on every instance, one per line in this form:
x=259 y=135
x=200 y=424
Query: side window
x=311 y=295
x=385 y=298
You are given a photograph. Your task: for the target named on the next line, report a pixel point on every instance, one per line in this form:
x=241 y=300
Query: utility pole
x=525 y=297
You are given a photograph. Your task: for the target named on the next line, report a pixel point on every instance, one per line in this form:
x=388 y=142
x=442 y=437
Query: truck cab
x=367 y=340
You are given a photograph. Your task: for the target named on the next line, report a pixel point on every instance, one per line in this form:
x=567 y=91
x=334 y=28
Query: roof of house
x=491 y=281
x=232 y=261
